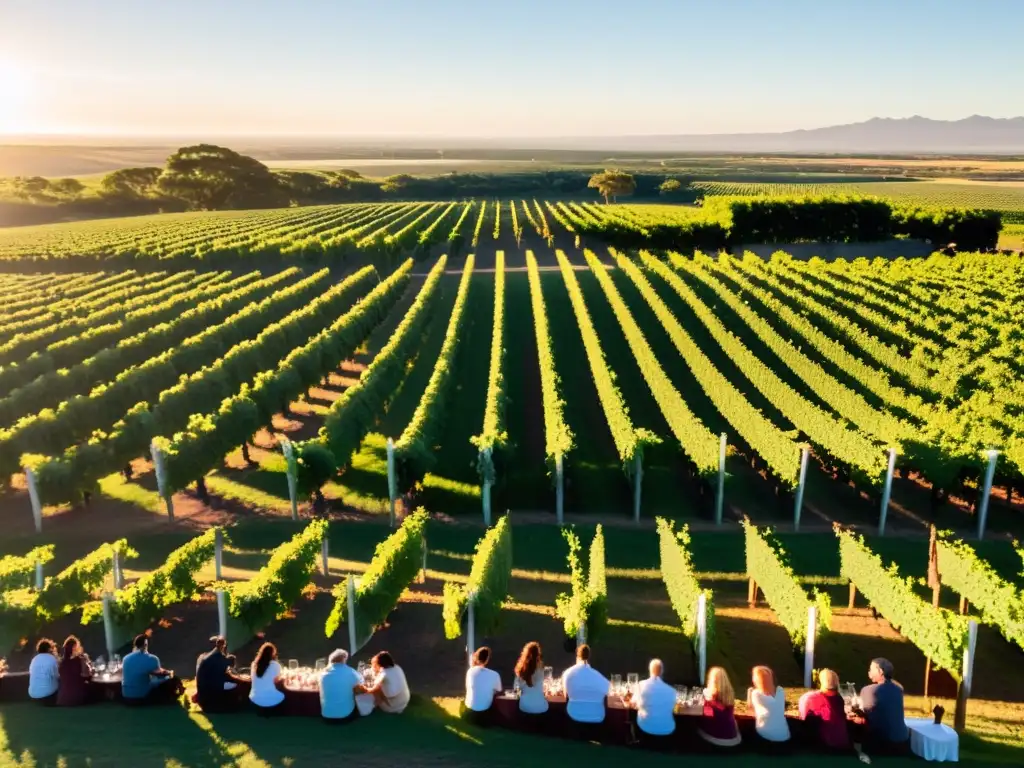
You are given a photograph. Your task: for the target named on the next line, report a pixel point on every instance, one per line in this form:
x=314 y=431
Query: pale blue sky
x=499 y=68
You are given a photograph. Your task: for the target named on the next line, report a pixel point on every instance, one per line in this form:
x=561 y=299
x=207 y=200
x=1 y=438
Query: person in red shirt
x=825 y=708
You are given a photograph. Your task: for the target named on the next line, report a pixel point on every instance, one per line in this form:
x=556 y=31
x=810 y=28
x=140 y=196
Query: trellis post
x=812 y=628
x=964 y=691
x=392 y=480
x=222 y=613
x=720 y=495
x=702 y=636
x=325 y=555
x=218 y=553
x=161 y=478
x=798 y=505
x=485 y=494
x=108 y=625
x=33 y=495
x=886 y=492
x=292 y=464
x=559 y=490
x=638 y=476
x=470 y=629
x=990 y=473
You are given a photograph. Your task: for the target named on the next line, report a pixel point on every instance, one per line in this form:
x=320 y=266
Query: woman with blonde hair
x=718 y=725
x=825 y=707
x=767 y=702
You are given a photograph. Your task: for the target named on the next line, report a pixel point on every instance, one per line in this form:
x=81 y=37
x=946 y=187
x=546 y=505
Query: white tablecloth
x=938 y=743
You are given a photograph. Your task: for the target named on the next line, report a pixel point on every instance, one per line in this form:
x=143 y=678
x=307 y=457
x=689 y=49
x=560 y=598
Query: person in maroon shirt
x=826 y=708
x=718 y=725
x=75 y=674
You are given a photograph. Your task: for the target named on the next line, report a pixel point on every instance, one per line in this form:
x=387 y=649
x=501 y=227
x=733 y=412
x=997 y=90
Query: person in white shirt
x=44 y=673
x=338 y=686
x=768 y=703
x=390 y=690
x=586 y=689
x=266 y=674
x=655 y=703
x=530 y=680
x=481 y=685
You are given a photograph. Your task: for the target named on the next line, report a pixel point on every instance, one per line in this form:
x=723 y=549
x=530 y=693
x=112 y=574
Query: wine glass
x=632 y=681
x=321 y=665
x=116 y=663
x=617 y=685
x=293 y=665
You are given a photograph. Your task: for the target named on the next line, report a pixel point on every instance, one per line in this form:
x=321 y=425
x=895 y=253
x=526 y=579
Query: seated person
x=481 y=685
x=265 y=694
x=530 y=679
x=585 y=689
x=718 y=725
x=882 y=705
x=767 y=701
x=338 y=686
x=655 y=703
x=143 y=680
x=390 y=690
x=75 y=674
x=825 y=707
x=44 y=674
x=216 y=681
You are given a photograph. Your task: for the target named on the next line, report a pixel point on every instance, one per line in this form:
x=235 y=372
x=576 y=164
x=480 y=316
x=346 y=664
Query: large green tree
x=611 y=184
x=130 y=182
x=208 y=177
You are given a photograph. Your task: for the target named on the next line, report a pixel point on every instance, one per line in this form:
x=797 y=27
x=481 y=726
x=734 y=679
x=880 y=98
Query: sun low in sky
x=465 y=68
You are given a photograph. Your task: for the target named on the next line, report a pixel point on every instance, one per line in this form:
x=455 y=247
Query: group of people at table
x=63 y=677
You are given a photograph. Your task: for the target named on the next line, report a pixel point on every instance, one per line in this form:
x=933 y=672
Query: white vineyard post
x=39 y=576
x=218 y=553
x=485 y=494
x=720 y=495
x=990 y=473
x=392 y=480
x=222 y=613
x=33 y=495
x=325 y=554
x=292 y=472
x=581 y=635
x=351 y=596
x=117 y=570
x=967 y=681
x=887 y=492
x=161 y=478
x=638 y=477
x=470 y=629
x=702 y=636
x=798 y=505
x=812 y=628
x=108 y=625
x=559 y=490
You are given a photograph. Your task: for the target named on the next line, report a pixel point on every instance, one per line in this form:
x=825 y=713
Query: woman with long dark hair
x=75 y=674
x=266 y=675
x=530 y=680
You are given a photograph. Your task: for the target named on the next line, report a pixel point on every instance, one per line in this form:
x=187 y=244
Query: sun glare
x=15 y=88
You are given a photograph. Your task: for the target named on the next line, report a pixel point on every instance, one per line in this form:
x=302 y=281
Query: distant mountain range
x=878 y=135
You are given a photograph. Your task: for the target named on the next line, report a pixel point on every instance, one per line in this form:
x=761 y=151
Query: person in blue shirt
x=339 y=685
x=143 y=680
x=882 y=705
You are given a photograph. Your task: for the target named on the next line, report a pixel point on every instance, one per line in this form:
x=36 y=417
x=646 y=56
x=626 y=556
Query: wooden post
x=559 y=490
x=222 y=613
x=702 y=636
x=218 y=553
x=853 y=596
x=720 y=496
x=161 y=478
x=990 y=473
x=886 y=492
x=392 y=480
x=965 y=605
x=812 y=629
x=638 y=476
x=292 y=464
x=33 y=495
x=964 y=691
x=752 y=593
x=798 y=504
x=935 y=582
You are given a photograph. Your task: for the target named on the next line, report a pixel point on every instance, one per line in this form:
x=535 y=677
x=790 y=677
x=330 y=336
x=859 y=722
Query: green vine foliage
x=768 y=566
x=395 y=564
x=143 y=602
x=19 y=571
x=680 y=579
x=488 y=580
x=494 y=436
x=279 y=584
x=938 y=633
x=1000 y=602
x=76 y=585
x=586 y=605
